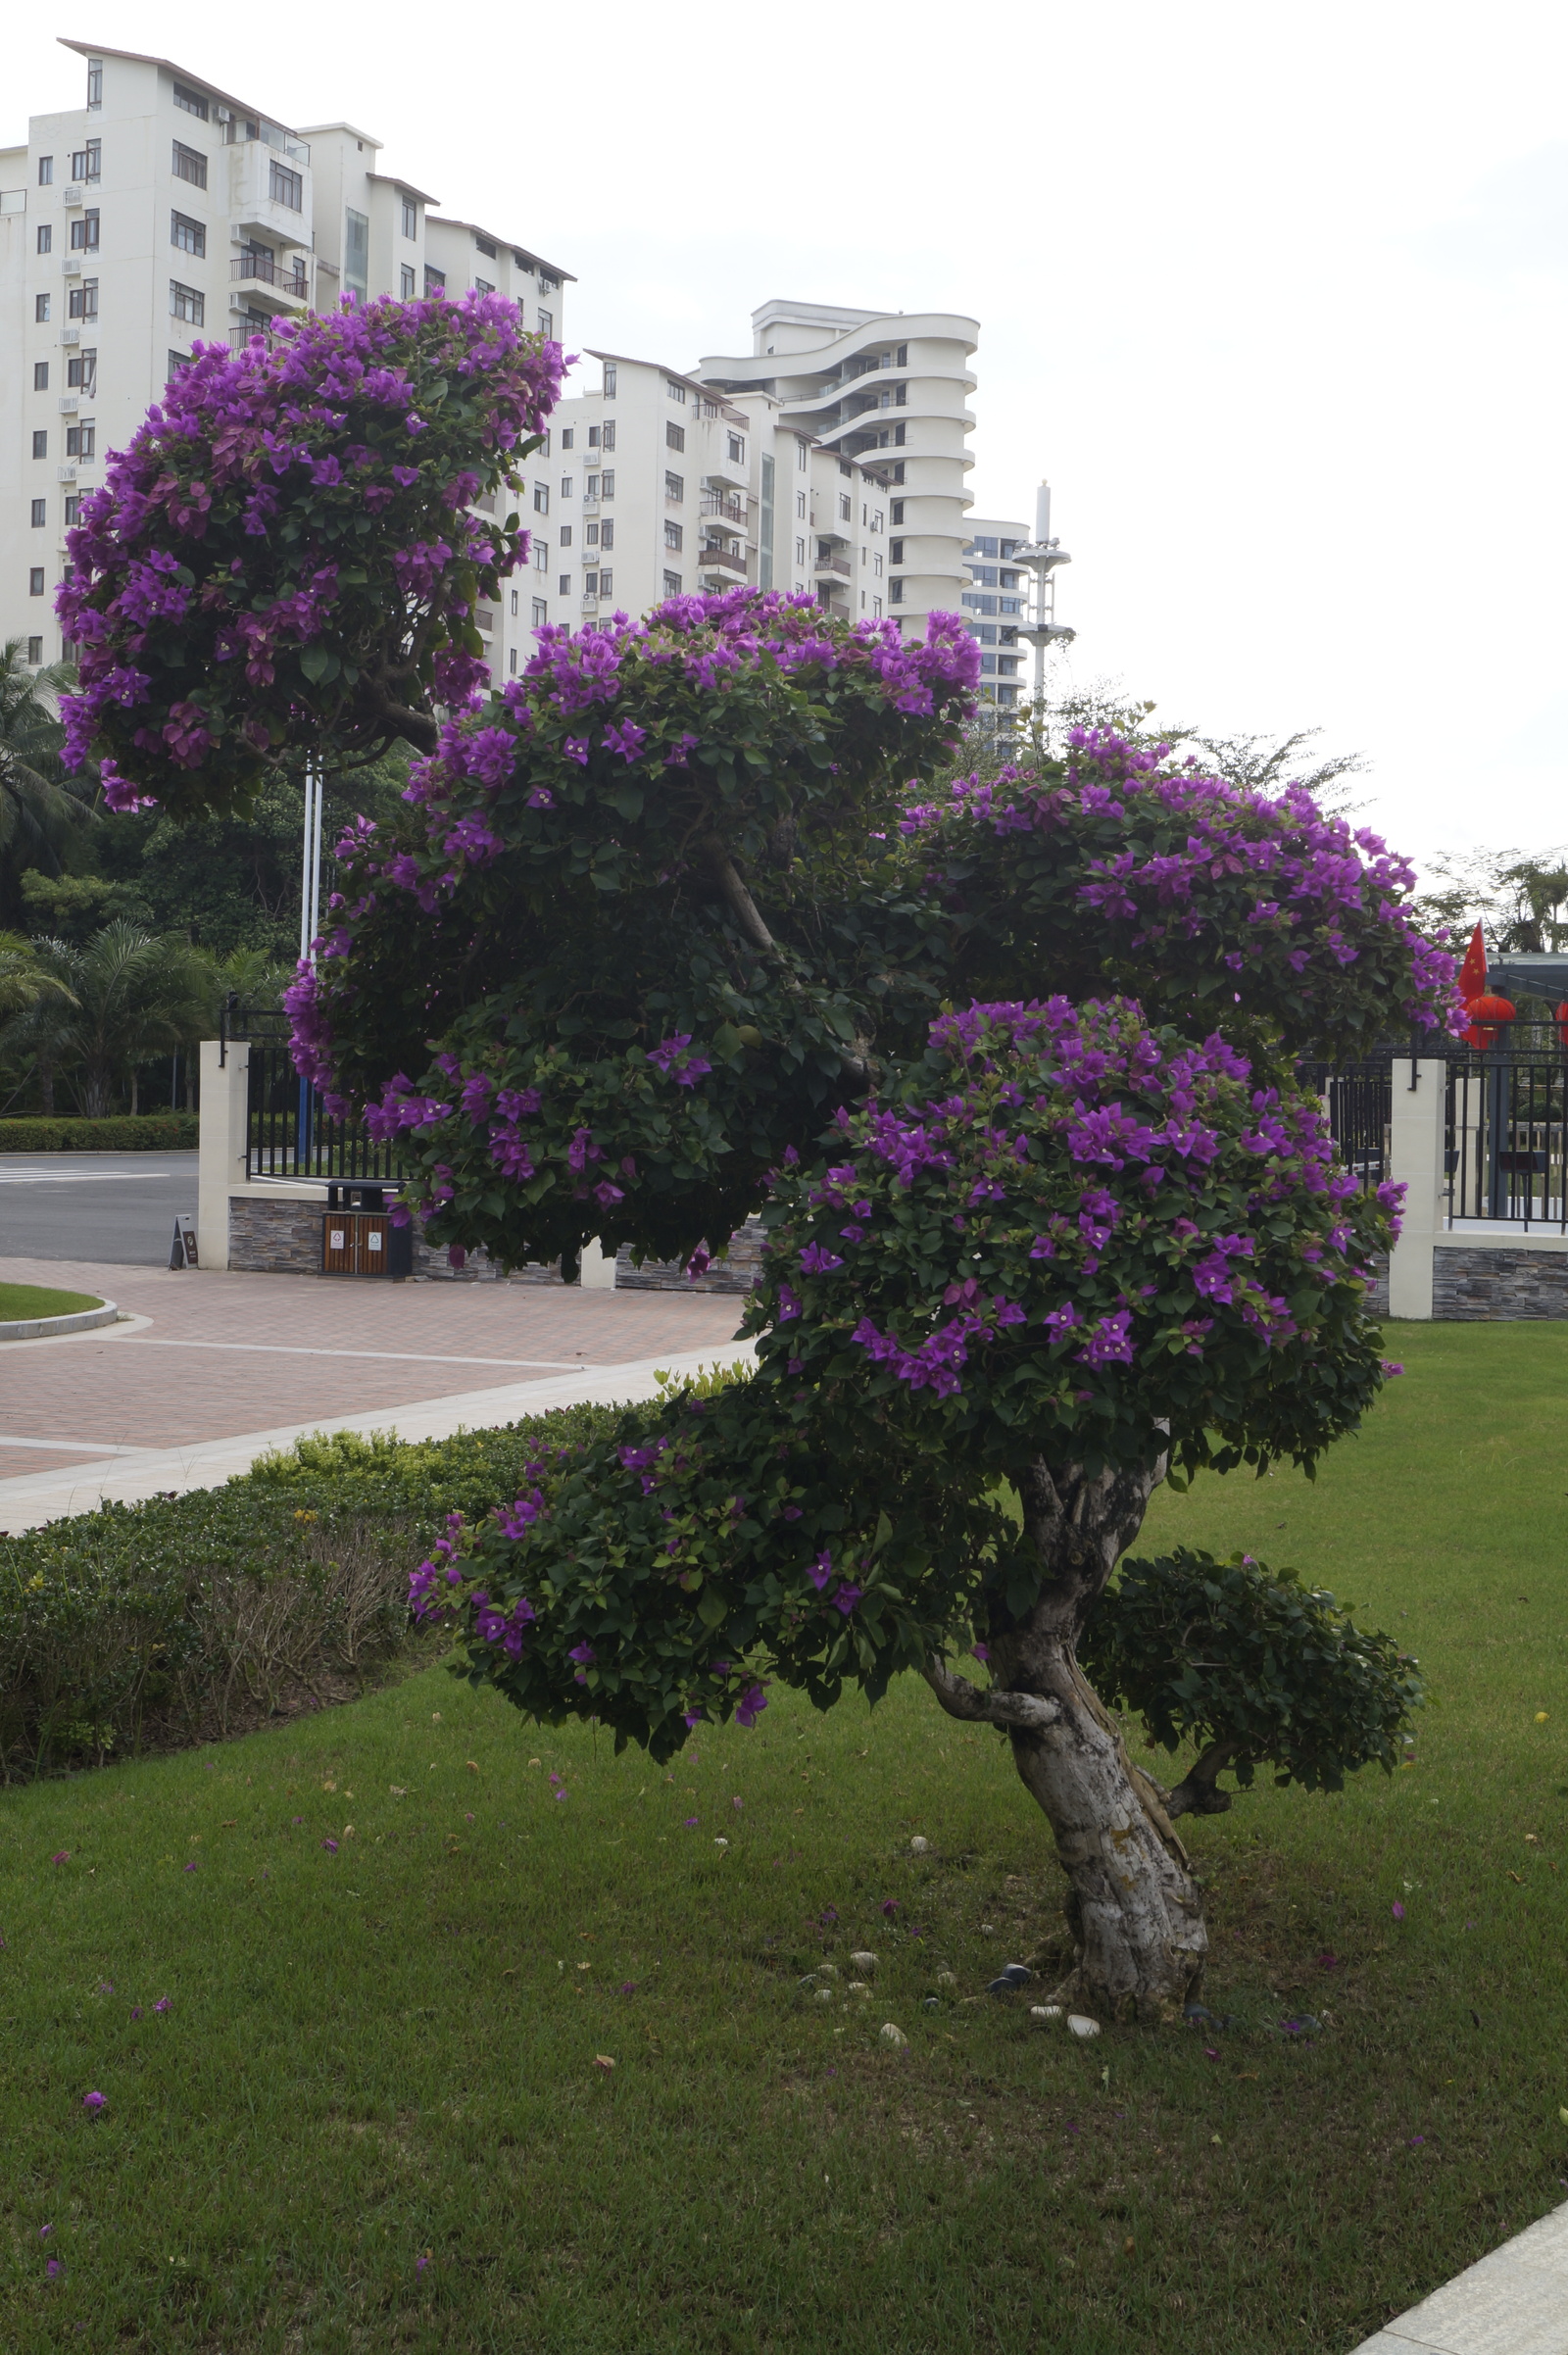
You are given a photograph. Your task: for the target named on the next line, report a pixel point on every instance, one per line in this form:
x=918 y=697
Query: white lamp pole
x=1041 y=557
x=311 y=864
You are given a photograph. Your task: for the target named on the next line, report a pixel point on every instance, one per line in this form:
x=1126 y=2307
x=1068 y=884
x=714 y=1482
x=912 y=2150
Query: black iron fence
x=1505 y=1136
x=288 y=1133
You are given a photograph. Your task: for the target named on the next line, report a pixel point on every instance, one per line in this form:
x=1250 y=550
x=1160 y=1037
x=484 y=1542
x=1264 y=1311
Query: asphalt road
x=115 y=1207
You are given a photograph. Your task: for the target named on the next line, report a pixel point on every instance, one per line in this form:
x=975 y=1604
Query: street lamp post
x=309 y=925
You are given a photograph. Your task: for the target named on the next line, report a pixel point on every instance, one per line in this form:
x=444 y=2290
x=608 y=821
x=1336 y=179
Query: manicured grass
x=27 y=1300
x=390 y=2052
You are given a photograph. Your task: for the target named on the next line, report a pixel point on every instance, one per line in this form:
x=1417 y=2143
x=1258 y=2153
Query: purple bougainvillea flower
x=331 y=1846
x=297 y=1819
x=44 y=2230
x=54 y=2269
x=163 y=2004
x=1209 y=2054
x=981 y=1651
x=105 y=1987
x=1415 y=2139
x=95 y=2102
x=628 y=1986
x=1328 y=1961
x=688 y=1823
x=419 y=2264
x=135 y=2011
x=1398 y=1910
x=60 y=1856
x=736 y=1804
x=890 y=1906
x=191 y=1867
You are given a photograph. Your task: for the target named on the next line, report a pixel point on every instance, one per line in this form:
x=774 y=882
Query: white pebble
x=892 y=2035
x=863 y=1962
x=1082 y=2026
x=947 y=1978
x=827 y=1970
x=824 y=1994
x=1044 y=2011
x=721 y=1843
x=857 y=1986
x=919 y=1846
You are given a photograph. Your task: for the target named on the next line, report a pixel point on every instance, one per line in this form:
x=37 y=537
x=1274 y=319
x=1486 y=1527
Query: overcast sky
x=1274 y=297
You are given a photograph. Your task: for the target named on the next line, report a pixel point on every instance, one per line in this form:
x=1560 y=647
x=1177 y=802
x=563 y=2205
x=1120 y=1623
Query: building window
x=541 y=498
x=896 y=510
x=84 y=232
x=87 y=163
x=800 y=457
x=81 y=371
x=671 y=584
x=435 y=282
x=676 y=392
x=41 y=513
x=674 y=487
x=95 y=82
x=541 y=612
x=405 y=282
x=81 y=441
x=591 y=533
x=799 y=506
x=355 y=253
x=568 y=437
x=46 y=238
x=187 y=302
x=800 y=552
x=541 y=556
x=876 y=564
x=898 y=436
x=40 y=309
x=483 y=286
x=564 y=585
x=35 y=651
x=411 y=217
x=901 y=396
x=82 y=301
x=46 y=172
x=40 y=443
x=737 y=450
x=36 y=582
x=894 y=552
x=610 y=380
x=845 y=513
x=40 y=376
x=73 y=508
x=607 y=532
x=607 y=483
x=898 y=471
x=590 y=584
x=192 y=100
x=607 y=583
x=895 y=592
x=607 y=440
x=189 y=164
x=675 y=435
x=285 y=188
x=988 y=665
x=189 y=236
x=674 y=537
x=547 y=325
x=902 y=359
x=566 y=486
x=593 y=437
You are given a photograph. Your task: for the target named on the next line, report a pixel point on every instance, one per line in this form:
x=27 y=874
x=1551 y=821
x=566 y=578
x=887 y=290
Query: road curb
x=49 y=1328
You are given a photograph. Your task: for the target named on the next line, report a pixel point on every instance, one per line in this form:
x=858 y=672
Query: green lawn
x=19 y=1301
x=390 y=2053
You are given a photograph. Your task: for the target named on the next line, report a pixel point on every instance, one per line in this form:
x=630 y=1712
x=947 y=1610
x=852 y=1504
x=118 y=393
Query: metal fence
x=287 y=1132
x=1507 y=1126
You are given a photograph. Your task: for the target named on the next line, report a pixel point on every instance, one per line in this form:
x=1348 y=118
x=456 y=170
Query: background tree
x=1520 y=896
x=115 y=1002
x=41 y=807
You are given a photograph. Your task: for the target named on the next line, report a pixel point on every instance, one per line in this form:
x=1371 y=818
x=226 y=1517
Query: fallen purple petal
x=95 y=2102
x=1398 y=1910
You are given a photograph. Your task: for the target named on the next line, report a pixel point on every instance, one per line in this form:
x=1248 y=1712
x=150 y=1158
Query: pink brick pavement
x=159 y=1389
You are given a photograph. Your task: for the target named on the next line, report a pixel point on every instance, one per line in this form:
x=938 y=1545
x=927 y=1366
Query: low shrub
x=188 y=1618
x=141 y=1132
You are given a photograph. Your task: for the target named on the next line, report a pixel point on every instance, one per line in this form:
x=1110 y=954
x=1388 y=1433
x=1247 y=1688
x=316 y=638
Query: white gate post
x=1416 y=1158
x=220 y=1165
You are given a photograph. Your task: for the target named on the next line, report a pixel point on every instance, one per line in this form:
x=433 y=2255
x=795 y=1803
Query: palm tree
x=22 y=979
x=122 y=999
x=39 y=803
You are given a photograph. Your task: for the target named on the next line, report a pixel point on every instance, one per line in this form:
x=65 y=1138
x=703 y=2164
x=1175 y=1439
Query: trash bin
x=358 y=1237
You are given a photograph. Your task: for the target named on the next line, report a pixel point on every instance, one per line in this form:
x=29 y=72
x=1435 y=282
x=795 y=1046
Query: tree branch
x=979 y=1706
x=749 y=916
x=1197 y=1794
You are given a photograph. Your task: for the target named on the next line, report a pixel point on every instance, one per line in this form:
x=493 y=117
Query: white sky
x=1274 y=296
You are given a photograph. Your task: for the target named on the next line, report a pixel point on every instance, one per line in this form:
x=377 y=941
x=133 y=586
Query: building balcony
x=712 y=559
x=267 y=274
x=837 y=565
x=727 y=476
x=719 y=502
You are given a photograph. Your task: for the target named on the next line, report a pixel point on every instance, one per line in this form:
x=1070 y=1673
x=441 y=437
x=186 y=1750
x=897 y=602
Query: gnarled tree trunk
x=1133 y=1906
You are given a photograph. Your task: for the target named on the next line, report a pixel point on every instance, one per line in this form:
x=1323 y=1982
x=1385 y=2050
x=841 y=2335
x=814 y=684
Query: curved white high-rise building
x=889 y=391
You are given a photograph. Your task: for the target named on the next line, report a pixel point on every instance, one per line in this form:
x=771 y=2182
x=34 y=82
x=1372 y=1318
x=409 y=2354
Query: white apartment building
x=163 y=210
x=995 y=606
x=887 y=393
x=657 y=487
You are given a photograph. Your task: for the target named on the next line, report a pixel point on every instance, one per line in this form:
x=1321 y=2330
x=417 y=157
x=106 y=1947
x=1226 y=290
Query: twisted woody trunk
x=1133 y=1906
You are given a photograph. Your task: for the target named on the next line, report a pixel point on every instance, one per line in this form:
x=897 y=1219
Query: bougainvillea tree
x=665 y=935
x=287 y=556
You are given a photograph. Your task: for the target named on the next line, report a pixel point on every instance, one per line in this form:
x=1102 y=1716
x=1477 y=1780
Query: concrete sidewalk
x=132 y=1474
x=1514 y=2302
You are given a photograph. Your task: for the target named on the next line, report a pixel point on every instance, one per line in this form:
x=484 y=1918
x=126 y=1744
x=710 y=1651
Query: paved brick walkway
x=221 y=1354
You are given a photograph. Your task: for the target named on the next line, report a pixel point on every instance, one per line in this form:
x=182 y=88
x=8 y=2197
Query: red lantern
x=1489 y=1013
x=1562 y=1022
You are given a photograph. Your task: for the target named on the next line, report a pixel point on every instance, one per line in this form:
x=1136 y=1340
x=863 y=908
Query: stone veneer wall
x=1481 y=1284
x=278 y=1236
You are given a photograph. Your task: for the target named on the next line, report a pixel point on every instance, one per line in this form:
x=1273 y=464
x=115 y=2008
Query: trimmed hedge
x=143 y=1132
x=188 y=1618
